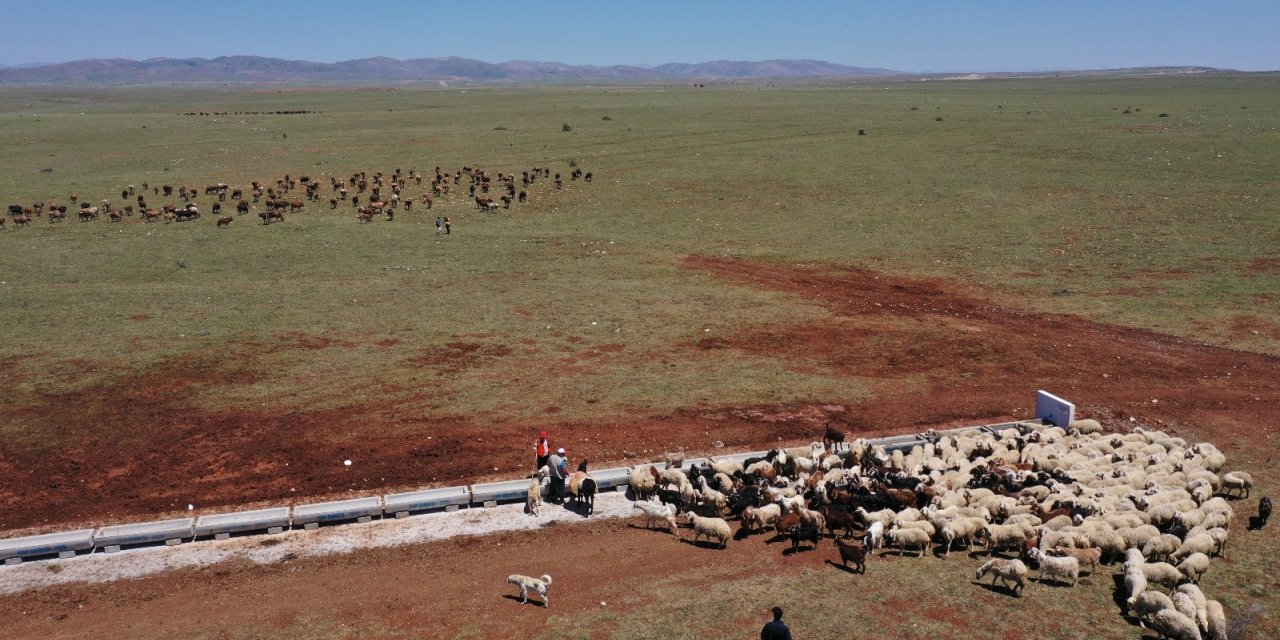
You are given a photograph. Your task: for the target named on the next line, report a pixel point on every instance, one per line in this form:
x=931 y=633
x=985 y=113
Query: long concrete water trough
x=611 y=479
x=65 y=544
x=741 y=458
x=358 y=509
x=491 y=493
x=223 y=525
x=402 y=504
x=171 y=532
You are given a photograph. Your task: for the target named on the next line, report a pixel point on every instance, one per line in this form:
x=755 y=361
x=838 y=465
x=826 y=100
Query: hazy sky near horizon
x=904 y=35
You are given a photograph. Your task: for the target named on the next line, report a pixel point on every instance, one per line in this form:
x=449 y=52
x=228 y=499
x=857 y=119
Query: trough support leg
x=311 y=526
x=275 y=530
x=451 y=508
x=402 y=514
x=489 y=504
x=66 y=554
x=221 y=536
x=11 y=561
x=364 y=519
x=173 y=542
x=111 y=548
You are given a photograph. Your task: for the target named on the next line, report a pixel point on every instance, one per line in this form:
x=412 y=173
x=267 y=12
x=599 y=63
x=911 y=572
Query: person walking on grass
x=776 y=630
x=439 y=225
x=448 y=225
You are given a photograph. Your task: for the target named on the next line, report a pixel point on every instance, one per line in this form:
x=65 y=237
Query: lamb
x=1007 y=571
x=1172 y=624
x=1090 y=557
x=1148 y=603
x=1233 y=481
x=1217 y=620
x=1065 y=567
x=710 y=527
x=909 y=539
x=1162 y=573
x=754 y=518
x=1198 y=599
x=656 y=511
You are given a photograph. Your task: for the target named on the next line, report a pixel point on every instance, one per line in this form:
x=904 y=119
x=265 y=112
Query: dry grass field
x=748 y=263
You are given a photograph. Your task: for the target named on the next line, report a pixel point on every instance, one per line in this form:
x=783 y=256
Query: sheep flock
x=1067 y=502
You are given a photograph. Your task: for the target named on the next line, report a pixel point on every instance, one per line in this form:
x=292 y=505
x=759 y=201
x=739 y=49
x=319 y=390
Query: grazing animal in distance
x=1264 y=512
x=225 y=221
x=833 y=437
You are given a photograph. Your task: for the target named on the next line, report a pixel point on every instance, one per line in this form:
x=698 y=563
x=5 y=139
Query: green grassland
x=1065 y=195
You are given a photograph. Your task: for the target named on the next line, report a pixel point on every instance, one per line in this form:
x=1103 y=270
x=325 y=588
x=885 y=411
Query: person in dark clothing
x=776 y=630
x=558 y=467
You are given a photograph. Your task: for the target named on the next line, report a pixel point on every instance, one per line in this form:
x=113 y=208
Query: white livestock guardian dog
x=528 y=584
x=534 y=499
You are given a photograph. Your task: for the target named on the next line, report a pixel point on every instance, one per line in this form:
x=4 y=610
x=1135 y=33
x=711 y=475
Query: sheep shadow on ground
x=532 y=600
x=846 y=568
x=1120 y=596
x=1004 y=590
x=1255 y=523
x=662 y=530
x=704 y=544
x=1052 y=581
x=799 y=549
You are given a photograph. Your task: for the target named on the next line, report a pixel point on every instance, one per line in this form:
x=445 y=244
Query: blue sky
x=905 y=35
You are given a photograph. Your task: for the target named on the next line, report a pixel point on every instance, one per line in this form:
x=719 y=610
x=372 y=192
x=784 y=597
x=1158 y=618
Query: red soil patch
x=1263 y=266
x=388 y=342
x=458 y=356
x=139 y=317
x=933 y=352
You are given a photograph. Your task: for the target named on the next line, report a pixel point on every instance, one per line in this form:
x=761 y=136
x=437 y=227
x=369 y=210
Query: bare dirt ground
x=939 y=353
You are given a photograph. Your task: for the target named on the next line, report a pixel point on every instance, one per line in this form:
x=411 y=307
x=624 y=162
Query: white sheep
x=1233 y=481
x=1193 y=544
x=1135 y=582
x=1200 y=602
x=1007 y=571
x=884 y=515
x=1065 y=567
x=642 y=482
x=1174 y=625
x=1162 y=573
x=923 y=525
x=727 y=467
x=675 y=459
x=1086 y=557
x=1217 y=620
x=909 y=539
x=1139 y=536
x=1194 y=566
x=1183 y=604
x=1162 y=547
x=710 y=527
x=961 y=529
x=711 y=496
x=999 y=536
x=1148 y=603
x=655 y=512
x=874 y=538
x=754 y=518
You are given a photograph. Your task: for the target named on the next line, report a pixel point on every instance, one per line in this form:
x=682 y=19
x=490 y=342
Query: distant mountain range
x=260 y=70
x=256 y=69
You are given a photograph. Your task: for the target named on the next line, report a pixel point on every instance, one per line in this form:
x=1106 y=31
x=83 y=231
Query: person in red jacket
x=541 y=451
